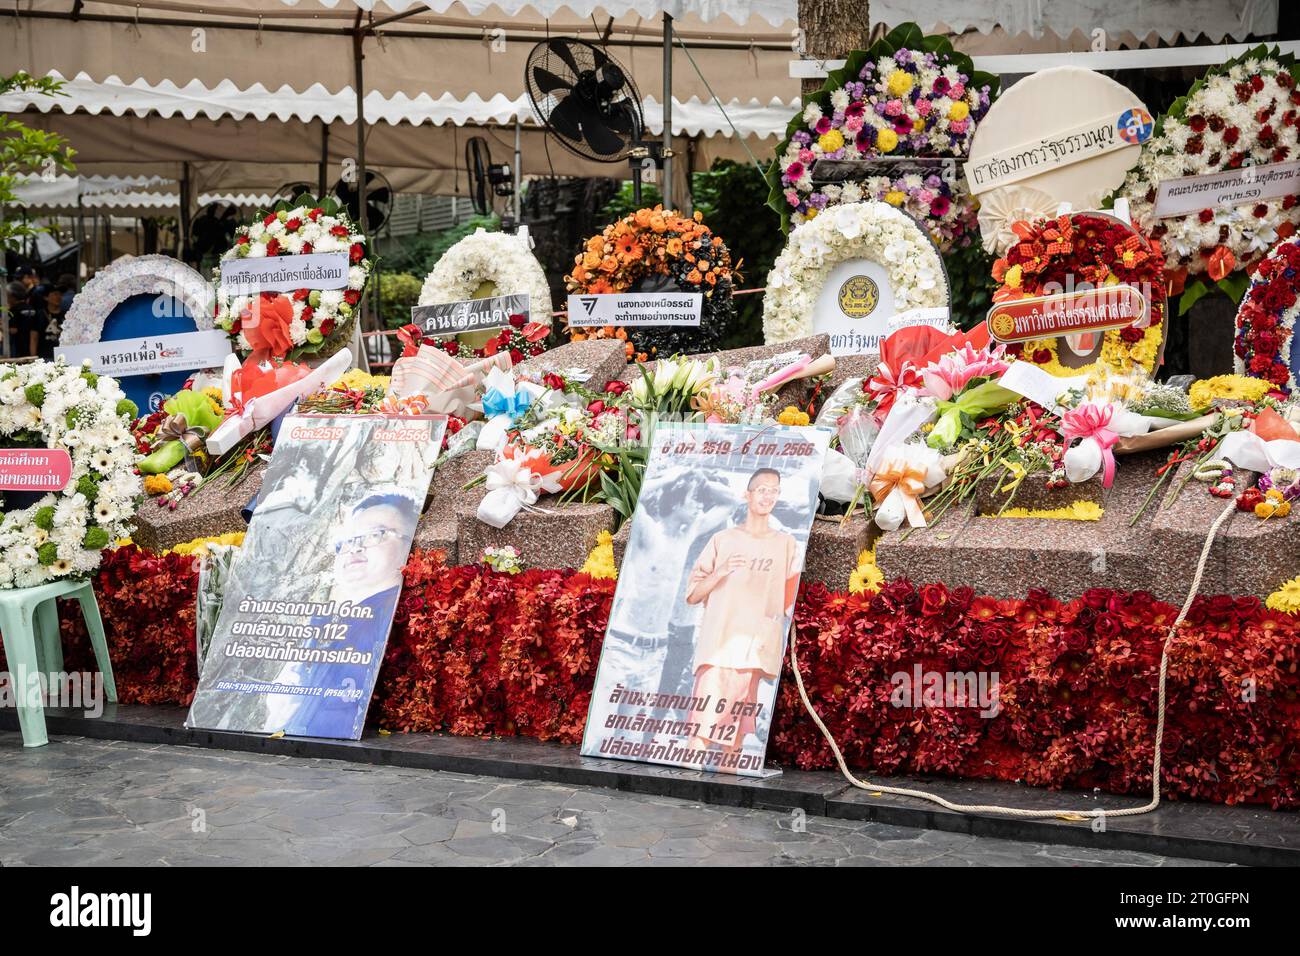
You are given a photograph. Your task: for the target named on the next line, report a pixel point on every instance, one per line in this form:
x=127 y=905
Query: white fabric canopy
x=166 y=99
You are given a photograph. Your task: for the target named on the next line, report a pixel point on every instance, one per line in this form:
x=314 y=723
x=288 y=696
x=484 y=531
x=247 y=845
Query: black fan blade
x=567 y=118
x=601 y=138
x=380 y=195
x=561 y=49
x=547 y=81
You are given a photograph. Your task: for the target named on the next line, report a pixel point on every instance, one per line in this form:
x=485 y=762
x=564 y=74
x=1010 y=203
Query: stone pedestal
x=833 y=550
x=605 y=359
x=560 y=536
x=213 y=510
x=447 y=492
x=1005 y=557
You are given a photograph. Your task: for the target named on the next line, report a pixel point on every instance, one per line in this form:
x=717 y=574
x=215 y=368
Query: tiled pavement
x=90 y=802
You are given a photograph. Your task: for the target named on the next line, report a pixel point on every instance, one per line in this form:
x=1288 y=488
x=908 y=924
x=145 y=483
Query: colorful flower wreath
x=1238 y=115
x=639 y=253
x=908 y=95
x=1079 y=251
x=63 y=533
x=1266 y=344
x=290 y=325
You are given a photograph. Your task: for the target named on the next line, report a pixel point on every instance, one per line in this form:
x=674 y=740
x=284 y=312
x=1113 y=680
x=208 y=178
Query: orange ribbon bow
x=908 y=478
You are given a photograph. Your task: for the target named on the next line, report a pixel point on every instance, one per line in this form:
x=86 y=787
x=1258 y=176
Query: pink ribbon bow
x=1093 y=421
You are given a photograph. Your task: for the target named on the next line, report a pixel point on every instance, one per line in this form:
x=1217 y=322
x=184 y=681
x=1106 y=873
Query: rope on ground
x=1040 y=814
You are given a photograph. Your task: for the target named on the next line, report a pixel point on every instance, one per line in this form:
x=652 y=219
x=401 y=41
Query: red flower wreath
x=1266 y=345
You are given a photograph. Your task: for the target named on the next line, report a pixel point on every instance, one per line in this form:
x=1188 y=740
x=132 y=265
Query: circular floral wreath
x=908 y=95
x=651 y=247
x=1266 y=343
x=864 y=230
x=1084 y=250
x=54 y=405
x=1238 y=115
x=130 y=276
x=496 y=257
x=307 y=321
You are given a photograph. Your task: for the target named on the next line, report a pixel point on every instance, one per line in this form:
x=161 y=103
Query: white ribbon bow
x=512 y=486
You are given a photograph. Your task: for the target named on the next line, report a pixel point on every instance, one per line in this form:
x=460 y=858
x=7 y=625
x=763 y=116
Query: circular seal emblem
x=1002 y=325
x=858 y=297
x=1135 y=126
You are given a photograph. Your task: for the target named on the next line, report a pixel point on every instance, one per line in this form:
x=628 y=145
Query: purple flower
x=802 y=137
x=866 y=138
x=903 y=56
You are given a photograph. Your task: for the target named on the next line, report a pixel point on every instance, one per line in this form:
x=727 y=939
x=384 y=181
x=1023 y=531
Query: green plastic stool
x=19 y=610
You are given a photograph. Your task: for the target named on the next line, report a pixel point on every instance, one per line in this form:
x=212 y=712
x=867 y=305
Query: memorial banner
x=635 y=309
x=469 y=315
x=310 y=596
x=1069 y=313
x=317 y=270
x=1223 y=190
x=692 y=655
x=152 y=354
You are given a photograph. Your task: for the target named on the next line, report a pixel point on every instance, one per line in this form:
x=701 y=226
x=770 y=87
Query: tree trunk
x=831 y=29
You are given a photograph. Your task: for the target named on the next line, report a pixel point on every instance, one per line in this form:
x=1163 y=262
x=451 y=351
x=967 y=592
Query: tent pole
x=322 y=176
x=358 y=38
x=666 y=187
x=519 y=173
x=184 y=239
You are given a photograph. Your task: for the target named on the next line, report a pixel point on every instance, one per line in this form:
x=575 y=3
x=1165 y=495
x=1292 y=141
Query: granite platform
x=1252 y=836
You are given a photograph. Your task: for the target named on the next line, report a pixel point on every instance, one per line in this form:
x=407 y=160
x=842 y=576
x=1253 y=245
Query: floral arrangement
x=862 y=230
x=520 y=338
x=1077 y=690
x=1225 y=388
x=1266 y=344
x=909 y=95
x=307 y=321
x=506 y=559
x=1083 y=251
x=130 y=276
x=476 y=652
x=1240 y=114
x=486 y=264
x=640 y=253
x=63 y=534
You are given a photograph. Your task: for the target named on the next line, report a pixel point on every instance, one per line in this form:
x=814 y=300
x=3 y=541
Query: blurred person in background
x=22 y=320
x=48 y=302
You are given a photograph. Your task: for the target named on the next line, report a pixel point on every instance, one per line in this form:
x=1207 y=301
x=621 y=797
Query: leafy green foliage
x=25 y=151
x=417 y=254
x=398 y=291
x=970 y=279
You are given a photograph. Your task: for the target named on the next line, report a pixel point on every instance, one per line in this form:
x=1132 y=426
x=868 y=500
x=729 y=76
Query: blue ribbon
x=495 y=403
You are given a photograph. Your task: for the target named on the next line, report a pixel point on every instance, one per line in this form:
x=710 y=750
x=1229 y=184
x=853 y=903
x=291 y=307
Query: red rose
x=1042 y=356
x=596 y=407
x=1260 y=364
x=1205 y=215
x=551 y=380
x=518 y=321
x=1131 y=334
x=452 y=347
x=615 y=387
x=934 y=598
x=516 y=356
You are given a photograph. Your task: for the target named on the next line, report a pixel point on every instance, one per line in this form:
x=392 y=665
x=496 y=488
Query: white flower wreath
x=130 y=276
x=54 y=405
x=865 y=230
x=496 y=257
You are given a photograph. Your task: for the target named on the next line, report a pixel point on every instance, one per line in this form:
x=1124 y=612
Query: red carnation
x=315 y=214
x=1231 y=135
x=293 y=225
x=339 y=230
x=327 y=327
x=306 y=248
x=351 y=296
x=270 y=218
x=1197 y=123
x=308 y=313
x=273 y=247
x=300 y=294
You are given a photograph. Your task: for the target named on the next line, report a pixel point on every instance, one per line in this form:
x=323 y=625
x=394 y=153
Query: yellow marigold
x=1243 y=387
x=600 y=563
x=867 y=577
x=793 y=416
x=1013 y=277
x=1076 y=511
x=899 y=83
x=830 y=141
x=895 y=197
x=958 y=111
x=359 y=381
x=918 y=125
x=199 y=546
x=886 y=140
x=1286 y=598
x=157 y=484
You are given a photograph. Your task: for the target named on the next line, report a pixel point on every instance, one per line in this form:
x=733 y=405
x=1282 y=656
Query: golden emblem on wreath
x=1002 y=325
x=858 y=297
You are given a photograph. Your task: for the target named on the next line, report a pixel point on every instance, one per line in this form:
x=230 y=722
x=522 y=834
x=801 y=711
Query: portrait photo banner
x=692 y=655
x=311 y=594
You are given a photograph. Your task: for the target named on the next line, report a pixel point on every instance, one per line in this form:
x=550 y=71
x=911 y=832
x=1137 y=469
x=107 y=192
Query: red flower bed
x=476 y=652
